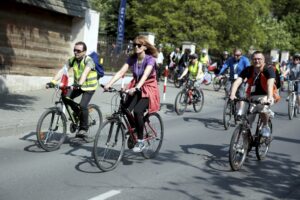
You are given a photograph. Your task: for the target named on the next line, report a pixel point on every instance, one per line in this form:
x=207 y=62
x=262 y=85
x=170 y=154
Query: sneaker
x=81 y=134
x=139 y=147
x=265 y=131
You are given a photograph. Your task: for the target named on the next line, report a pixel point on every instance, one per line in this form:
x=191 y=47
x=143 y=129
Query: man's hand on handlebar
x=76 y=86
x=50 y=84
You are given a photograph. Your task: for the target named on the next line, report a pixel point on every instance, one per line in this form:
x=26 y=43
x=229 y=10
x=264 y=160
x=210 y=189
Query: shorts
x=240 y=93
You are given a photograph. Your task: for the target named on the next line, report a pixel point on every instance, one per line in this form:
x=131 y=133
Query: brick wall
x=33 y=41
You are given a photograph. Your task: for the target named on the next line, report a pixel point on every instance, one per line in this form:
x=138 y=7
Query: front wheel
x=217 y=83
x=198 y=100
x=263 y=144
x=238 y=148
x=153 y=135
x=181 y=102
x=291 y=106
x=51 y=129
x=94 y=121
x=109 y=145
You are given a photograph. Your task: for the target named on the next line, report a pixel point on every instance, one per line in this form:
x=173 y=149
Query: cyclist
x=204 y=59
x=237 y=63
x=174 y=58
x=143 y=90
x=223 y=58
x=293 y=71
x=260 y=79
x=85 y=84
x=184 y=60
x=194 y=69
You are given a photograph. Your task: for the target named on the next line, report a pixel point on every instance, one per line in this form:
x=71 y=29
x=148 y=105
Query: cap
x=204 y=50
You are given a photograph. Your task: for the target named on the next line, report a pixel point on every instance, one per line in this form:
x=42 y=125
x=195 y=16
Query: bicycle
x=189 y=95
x=229 y=111
x=242 y=139
x=110 y=140
x=51 y=128
x=293 y=103
x=219 y=82
x=178 y=83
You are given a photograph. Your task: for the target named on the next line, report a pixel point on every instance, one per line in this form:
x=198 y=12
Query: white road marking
x=106 y=195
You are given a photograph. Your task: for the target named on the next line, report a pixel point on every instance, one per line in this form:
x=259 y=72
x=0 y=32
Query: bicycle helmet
x=297 y=55
x=204 y=51
x=225 y=53
x=193 y=56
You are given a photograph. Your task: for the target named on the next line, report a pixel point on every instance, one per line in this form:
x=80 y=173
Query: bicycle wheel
x=171 y=76
x=153 y=135
x=177 y=83
x=198 y=100
x=291 y=106
x=263 y=144
x=181 y=102
x=216 y=84
x=238 y=148
x=109 y=145
x=227 y=114
x=51 y=129
x=296 y=107
x=94 y=123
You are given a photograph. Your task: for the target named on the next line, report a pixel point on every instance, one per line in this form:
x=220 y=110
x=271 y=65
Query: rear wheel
x=177 y=83
x=217 y=83
x=238 y=148
x=153 y=135
x=109 y=145
x=198 y=100
x=227 y=114
x=291 y=106
x=51 y=129
x=181 y=102
x=263 y=144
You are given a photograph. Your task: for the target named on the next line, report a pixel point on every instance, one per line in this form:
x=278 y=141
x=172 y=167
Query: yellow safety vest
x=204 y=59
x=193 y=69
x=91 y=82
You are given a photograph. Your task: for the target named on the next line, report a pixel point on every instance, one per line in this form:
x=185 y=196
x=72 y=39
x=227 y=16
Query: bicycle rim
x=181 y=102
x=263 y=145
x=51 y=130
x=109 y=145
x=227 y=114
x=153 y=135
x=238 y=149
x=198 y=100
x=94 y=122
x=291 y=107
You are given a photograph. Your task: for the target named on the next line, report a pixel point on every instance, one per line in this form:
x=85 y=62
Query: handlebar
x=251 y=101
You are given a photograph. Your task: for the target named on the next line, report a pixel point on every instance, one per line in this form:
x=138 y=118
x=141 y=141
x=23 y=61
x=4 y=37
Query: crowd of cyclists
x=249 y=77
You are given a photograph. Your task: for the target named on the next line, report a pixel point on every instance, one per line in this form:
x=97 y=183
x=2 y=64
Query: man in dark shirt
x=261 y=81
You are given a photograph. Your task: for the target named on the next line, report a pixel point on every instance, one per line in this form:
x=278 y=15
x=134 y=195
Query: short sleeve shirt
x=268 y=73
x=138 y=69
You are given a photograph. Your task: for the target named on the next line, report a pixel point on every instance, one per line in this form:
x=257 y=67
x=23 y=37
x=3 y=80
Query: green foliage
x=215 y=24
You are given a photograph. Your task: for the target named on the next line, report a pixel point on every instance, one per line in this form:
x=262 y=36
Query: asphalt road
x=192 y=164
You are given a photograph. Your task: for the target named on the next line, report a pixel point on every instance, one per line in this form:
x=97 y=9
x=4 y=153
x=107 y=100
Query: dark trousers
x=138 y=105
x=82 y=109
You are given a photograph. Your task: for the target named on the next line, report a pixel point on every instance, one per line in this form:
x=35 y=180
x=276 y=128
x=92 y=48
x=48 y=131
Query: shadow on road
x=16 y=102
x=211 y=123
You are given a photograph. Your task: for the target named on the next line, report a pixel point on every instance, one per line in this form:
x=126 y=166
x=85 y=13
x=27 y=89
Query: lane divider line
x=106 y=195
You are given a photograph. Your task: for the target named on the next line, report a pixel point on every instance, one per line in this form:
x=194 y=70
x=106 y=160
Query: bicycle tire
x=291 y=106
x=227 y=114
x=153 y=135
x=181 y=102
x=94 y=122
x=51 y=129
x=296 y=108
x=109 y=145
x=238 y=152
x=177 y=83
x=216 y=84
x=263 y=144
x=198 y=100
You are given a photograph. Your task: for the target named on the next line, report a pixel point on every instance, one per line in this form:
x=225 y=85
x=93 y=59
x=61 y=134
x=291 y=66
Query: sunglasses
x=237 y=55
x=137 y=45
x=77 y=51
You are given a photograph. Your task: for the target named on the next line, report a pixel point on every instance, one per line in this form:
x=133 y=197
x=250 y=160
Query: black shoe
x=81 y=134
